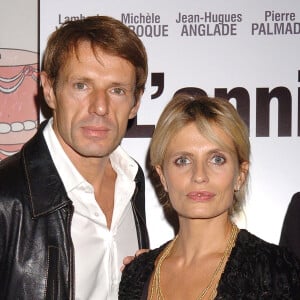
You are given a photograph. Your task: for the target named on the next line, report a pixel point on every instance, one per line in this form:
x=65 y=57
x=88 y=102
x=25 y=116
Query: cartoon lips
x=18 y=95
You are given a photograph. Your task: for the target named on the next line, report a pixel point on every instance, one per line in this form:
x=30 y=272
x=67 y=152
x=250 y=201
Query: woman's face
x=199 y=175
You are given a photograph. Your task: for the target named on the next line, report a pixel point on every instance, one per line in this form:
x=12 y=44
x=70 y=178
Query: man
x=72 y=201
x=290 y=234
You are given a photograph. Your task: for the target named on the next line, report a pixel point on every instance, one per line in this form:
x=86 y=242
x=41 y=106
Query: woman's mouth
x=200 y=196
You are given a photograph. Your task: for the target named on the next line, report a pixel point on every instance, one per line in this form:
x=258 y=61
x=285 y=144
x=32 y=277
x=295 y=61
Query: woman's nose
x=200 y=173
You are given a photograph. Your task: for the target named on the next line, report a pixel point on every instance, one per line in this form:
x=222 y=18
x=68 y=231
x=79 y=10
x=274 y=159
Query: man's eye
x=182 y=161
x=118 y=91
x=218 y=160
x=80 y=86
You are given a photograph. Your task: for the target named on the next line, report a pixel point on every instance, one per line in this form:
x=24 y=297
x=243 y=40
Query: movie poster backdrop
x=244 y=51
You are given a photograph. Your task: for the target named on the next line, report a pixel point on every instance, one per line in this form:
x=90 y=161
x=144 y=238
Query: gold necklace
x=155 y=287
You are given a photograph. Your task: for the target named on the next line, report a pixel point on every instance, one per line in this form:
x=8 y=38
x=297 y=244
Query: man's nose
x=99 y=103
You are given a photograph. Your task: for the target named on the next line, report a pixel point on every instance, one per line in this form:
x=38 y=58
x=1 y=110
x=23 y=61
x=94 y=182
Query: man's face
x=92 y=102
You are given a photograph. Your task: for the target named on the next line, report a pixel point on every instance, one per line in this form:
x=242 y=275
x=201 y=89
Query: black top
x=290 y=234
x=255 y=270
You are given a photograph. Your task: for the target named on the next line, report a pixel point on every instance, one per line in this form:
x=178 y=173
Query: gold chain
x=156 y=286
x=156 y=279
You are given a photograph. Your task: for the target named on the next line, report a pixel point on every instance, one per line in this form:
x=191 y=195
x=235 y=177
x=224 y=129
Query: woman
x=200 y=150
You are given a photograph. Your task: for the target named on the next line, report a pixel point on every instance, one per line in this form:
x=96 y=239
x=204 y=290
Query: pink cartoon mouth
x=18 y=93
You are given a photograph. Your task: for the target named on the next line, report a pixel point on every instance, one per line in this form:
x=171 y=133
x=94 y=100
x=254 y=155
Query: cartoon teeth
x=17 y=126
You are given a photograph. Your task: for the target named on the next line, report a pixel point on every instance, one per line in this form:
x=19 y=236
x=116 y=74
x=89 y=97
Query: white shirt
x=99 y=251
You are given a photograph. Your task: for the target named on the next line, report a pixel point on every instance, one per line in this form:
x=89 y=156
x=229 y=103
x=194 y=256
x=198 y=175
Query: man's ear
x=135 y=107
x=161 y=177
x=48 y=91
x=243 y=173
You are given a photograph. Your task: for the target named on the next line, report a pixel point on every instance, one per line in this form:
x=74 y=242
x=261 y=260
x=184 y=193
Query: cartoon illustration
x=18 y=94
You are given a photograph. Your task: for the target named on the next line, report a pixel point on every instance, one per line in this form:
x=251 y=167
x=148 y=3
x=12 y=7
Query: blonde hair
x=206 y=113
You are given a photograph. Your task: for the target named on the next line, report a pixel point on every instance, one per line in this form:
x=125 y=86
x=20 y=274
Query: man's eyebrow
x=122 y=83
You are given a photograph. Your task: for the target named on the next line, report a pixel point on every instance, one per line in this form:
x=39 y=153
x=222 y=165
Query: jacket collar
x=46 y=191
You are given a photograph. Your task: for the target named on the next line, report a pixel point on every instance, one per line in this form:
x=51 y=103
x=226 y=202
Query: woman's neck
x=199 y=237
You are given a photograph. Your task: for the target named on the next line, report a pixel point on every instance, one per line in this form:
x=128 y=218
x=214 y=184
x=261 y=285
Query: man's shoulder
x=12 y=183
x=16 y=170
x=295 y=201
x=10 y=168
x=144 y=263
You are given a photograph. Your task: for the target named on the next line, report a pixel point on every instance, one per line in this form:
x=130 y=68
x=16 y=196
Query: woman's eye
x=181 y=161
x=218 y=160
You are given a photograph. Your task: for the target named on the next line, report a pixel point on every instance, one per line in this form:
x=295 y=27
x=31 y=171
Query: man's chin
x=96 y=152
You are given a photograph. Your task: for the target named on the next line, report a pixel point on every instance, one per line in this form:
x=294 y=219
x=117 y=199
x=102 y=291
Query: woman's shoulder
x=257 y=249
x=257 y=267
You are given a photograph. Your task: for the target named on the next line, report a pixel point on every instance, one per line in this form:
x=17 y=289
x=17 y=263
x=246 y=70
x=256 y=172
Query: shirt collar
x=121 y=162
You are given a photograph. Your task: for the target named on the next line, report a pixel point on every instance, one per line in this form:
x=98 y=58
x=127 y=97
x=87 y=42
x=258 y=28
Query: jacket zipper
x=70 y=211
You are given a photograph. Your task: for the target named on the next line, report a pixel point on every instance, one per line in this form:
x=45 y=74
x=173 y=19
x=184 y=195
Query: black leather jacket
x=36 y=250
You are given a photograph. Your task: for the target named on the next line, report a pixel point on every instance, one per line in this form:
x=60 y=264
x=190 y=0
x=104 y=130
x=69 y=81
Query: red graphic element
x=18 y=93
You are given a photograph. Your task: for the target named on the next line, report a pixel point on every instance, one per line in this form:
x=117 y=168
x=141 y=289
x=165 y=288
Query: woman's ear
x=161 y=177
x=48 y=90
x=243 y=173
